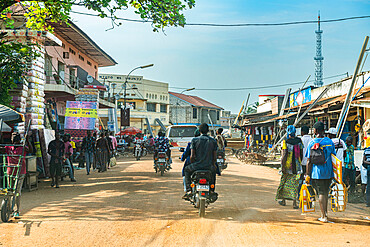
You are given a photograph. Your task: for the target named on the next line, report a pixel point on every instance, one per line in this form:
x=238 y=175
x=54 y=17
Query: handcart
x=9 y=182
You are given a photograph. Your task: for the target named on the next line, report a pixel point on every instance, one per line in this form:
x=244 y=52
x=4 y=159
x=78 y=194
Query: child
x=349 y=169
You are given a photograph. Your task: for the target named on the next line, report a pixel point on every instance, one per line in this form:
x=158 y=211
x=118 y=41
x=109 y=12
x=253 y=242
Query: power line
x=262 y=87
x=238 y=24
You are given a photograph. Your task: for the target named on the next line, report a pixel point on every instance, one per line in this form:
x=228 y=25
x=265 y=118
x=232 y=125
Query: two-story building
x=147 y=99
x=188 y=109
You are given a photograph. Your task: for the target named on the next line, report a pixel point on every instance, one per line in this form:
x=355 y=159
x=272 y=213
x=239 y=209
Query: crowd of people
x=308 y=160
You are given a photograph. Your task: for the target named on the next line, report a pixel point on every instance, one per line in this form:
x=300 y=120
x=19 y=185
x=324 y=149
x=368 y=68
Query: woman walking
x=291 y=168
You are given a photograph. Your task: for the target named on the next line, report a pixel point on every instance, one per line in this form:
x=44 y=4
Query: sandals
x=282 y=203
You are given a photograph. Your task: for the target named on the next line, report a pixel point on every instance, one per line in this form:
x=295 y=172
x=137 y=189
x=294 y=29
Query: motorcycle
x=221 y=161
x=161 y=163
x=201 y=187
x=138 y=151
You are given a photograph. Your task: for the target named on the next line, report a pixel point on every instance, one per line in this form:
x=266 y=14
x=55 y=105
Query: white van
x=180 y=135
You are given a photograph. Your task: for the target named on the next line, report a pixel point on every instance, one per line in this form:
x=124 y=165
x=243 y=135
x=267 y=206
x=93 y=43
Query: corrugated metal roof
x=195 y=100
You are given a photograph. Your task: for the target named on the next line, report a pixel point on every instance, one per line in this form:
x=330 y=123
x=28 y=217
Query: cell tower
x=318 y=58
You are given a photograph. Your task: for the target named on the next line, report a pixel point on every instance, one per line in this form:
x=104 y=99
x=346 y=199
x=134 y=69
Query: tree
x=14 y=60
x=39 y=14
x=252 y=108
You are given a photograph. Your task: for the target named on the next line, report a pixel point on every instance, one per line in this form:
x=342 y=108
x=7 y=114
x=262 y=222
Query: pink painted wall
x=56 y=52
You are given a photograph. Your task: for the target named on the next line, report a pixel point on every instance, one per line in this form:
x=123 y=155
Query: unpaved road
x=130 y=205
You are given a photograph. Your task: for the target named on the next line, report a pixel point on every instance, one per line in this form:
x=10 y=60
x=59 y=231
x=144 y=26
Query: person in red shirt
x=13 y=166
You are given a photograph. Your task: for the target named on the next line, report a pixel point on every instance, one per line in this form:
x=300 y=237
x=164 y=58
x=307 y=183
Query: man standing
x=56 y=151
x=88 y=146
x=202 y=157
x=340 y=145
x=319 y=167
x=306 y=139
x=366 y=165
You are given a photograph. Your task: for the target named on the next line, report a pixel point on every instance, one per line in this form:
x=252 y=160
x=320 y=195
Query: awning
x=10 y=116
x=4 y=127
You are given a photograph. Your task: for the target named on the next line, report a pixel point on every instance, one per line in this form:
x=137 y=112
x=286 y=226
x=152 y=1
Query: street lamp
x=187 y=90
x=125 y=86
x=177 y=103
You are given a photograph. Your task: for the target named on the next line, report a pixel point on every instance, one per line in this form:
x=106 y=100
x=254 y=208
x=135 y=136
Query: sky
x=234 y=57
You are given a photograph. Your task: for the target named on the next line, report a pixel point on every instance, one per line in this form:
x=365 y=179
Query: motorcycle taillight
x=203 y=181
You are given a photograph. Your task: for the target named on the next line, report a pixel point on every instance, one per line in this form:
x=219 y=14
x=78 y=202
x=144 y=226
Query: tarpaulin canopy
x=10 y=116
x=4 y=127
x=129 y=131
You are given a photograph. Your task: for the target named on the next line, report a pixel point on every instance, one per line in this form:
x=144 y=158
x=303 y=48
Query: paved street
x=130 y=205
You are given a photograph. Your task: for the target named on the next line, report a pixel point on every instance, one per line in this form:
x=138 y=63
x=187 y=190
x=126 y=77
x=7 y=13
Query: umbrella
x=10 y=116
x=129 y=131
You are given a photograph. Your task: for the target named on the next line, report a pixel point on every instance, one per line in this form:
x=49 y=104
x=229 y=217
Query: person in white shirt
x=340 y=145
x=306 y=139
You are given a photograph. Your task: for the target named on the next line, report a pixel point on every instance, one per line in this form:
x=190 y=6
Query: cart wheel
x=6 y=209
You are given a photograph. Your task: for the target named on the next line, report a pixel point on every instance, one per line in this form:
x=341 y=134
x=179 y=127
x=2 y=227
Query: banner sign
x=299 y=98
x=81 y=115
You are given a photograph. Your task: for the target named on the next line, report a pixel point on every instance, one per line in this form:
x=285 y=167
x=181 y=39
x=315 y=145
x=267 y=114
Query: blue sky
x=221 y=57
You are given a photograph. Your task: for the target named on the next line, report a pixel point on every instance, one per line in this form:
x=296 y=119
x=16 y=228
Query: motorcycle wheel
x=162 y=172
x=202 y=208
x=6 y=210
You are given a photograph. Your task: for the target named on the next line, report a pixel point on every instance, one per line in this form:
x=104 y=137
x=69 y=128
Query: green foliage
x=161 y=13
x=252 y=108
x=15 y=58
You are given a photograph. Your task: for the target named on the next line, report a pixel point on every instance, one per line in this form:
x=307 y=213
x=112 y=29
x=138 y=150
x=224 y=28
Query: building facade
x=186 y=109
x=147 y=99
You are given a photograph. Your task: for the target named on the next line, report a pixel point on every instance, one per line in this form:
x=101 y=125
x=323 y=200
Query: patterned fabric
x=349 y=161
x=288 y=188
x=291 y=159
x=162 y=144
x=88 y=144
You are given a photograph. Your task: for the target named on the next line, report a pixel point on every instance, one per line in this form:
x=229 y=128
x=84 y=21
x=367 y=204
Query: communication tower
x=318 y=58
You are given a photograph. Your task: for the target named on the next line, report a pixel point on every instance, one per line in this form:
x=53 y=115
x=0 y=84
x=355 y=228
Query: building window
x=81 y=57
x=88 y=62
x=155 y=96
x=66 y=55
x=164 y=108
x=160 y=97
x=195 y=113
x=63 y=46
x=150 y=107
x=119 y=78
x=147 y=95
x=218 y=115
x=48 y=66
x=72 y=51
x=94 y=66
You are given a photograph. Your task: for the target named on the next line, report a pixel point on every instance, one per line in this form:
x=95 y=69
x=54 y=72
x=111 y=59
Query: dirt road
x=130 y=205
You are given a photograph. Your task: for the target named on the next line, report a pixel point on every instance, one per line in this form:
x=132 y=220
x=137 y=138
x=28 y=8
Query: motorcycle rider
x=202 y=157
x=162 y=144
x=186 y=157
x=221 y=141
x=139 y=141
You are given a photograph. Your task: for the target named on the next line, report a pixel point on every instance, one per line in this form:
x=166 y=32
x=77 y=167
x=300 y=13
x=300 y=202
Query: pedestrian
x=88 y=147
x=94 y=161
x=68 y=152
x=110 y=151
x=366 y=165
x=102 y=150
x=340 y=145
x=306 y=139
x=18 y=152
x=349 y=170
x=319 y=167
x=291 y=168
x=56 y=151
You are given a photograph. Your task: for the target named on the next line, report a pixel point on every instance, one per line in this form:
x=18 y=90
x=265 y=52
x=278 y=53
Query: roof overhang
x=79 y=39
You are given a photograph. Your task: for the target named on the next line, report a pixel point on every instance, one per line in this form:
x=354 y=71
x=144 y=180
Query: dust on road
x=130 y=205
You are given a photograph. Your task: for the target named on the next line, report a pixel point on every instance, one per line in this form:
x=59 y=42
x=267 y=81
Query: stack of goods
x=339 y=198
x=89 y=94
x=307 y=198
x=19 y=98
x=36 y=82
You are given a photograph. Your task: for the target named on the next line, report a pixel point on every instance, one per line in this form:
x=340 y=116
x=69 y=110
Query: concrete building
x=187 y=109
x=147 y=99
